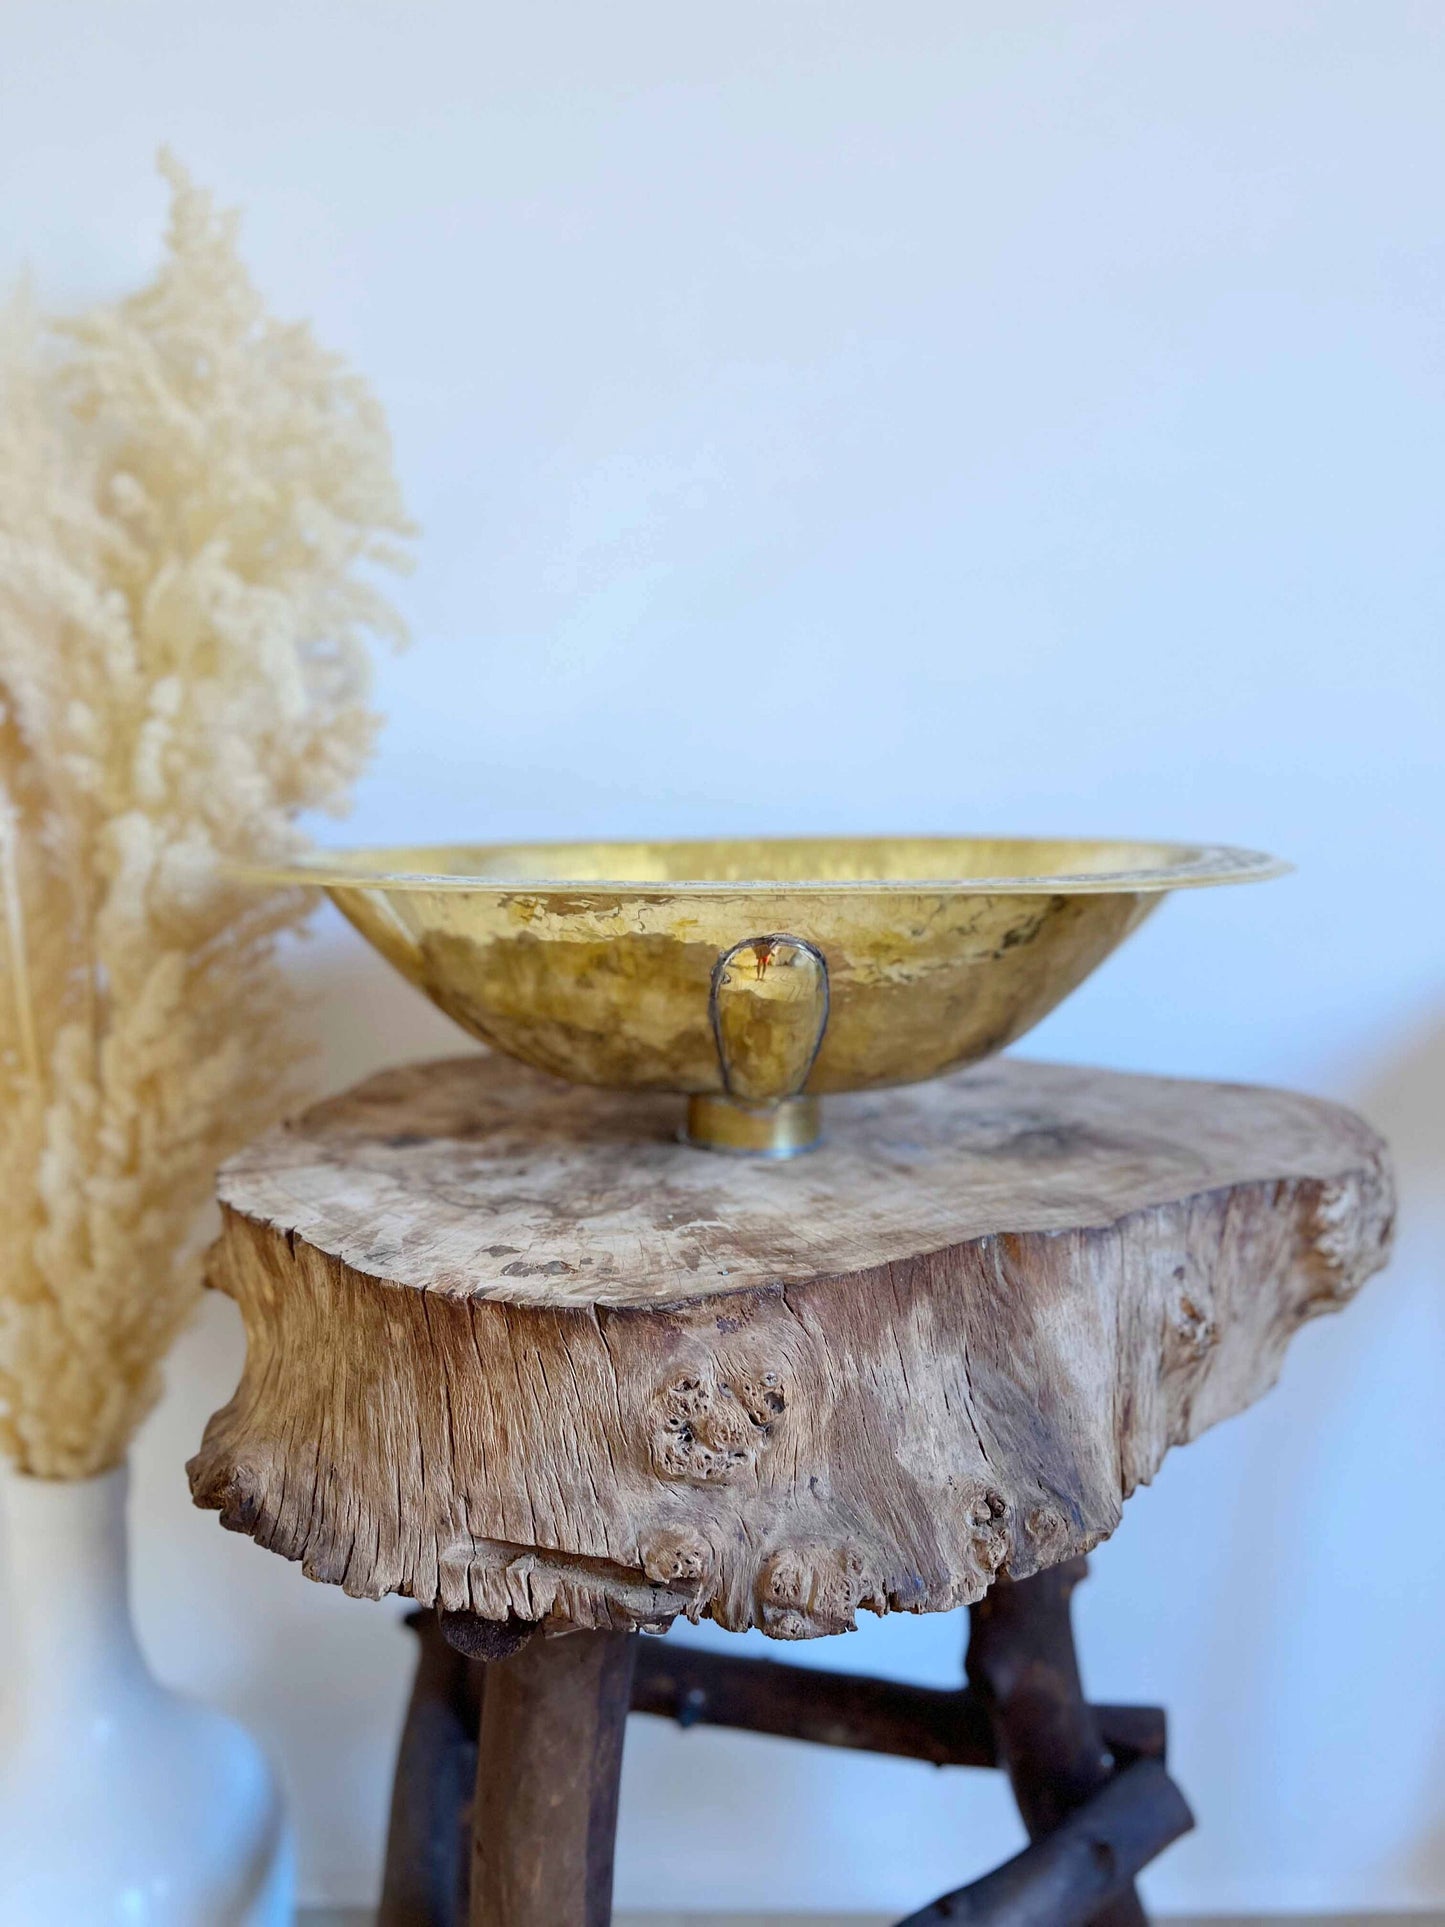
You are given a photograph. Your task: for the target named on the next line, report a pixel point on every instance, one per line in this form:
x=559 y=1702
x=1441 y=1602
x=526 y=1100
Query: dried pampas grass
x=190 y=495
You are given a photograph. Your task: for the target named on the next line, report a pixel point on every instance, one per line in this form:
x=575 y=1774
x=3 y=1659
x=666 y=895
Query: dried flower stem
x=17 y=968
x=192 y=496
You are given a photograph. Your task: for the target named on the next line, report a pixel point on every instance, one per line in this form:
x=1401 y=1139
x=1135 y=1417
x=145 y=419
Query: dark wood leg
x=945 y=1726
x=1021 y=1659
x=428 y=1839
x=1066 y=1877
x=1090 y=1781
x=548 y=1764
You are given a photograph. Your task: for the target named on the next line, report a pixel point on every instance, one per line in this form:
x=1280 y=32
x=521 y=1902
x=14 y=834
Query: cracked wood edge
x=889 y=1436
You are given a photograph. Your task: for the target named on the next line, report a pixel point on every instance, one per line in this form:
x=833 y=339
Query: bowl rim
x=1184 y=866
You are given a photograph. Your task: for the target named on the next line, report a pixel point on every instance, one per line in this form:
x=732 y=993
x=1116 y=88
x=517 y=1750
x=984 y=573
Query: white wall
x=881 y=416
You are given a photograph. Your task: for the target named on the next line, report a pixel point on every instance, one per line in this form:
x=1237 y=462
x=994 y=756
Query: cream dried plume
x=190 y=495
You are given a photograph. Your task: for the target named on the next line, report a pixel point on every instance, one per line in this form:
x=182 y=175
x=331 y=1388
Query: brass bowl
x=756 y=976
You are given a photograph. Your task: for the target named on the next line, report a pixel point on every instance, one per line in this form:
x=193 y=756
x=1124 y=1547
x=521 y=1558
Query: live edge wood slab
x=513 y=1350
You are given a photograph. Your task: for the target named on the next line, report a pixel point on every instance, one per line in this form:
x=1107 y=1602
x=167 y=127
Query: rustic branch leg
x=424 y=1883
x=548 y=1765
x=947 y=1727
x=1021 y=1658
x=1064 y=1878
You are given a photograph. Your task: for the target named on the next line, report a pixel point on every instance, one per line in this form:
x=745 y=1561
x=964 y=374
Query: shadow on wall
x=1406 y=1100
x=364 y=1017
x=1331 y=1563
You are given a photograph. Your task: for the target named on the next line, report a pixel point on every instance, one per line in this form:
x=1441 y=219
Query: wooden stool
x=515 y=1352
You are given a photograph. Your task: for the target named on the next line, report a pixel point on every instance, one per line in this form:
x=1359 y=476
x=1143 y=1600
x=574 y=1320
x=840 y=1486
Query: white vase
x=120 y=1801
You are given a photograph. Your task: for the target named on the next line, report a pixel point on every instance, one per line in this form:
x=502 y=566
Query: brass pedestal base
x=781 y=1130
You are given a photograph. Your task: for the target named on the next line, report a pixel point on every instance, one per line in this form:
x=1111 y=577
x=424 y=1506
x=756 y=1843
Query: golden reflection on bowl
x=756 y=975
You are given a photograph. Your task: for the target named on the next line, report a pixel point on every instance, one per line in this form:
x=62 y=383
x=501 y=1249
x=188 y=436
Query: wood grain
x=549 y=1762
x=513 y=1350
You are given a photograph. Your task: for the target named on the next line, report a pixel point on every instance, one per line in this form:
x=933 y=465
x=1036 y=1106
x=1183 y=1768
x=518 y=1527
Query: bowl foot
x=781 y=1130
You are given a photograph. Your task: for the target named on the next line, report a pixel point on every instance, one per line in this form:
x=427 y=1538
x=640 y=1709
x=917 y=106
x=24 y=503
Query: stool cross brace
x=536 y=1725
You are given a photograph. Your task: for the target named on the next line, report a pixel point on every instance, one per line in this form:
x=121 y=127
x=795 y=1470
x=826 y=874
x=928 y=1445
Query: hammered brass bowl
x=756 y=976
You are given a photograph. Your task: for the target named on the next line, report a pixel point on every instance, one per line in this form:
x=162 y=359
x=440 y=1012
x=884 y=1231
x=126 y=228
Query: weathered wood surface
x=512 y=1349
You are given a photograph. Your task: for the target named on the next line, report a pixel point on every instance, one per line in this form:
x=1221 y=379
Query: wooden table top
x=513 y=1349
x=479 y=1177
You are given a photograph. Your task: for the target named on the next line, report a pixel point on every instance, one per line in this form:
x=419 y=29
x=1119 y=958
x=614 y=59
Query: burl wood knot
x=711 y=1423
x=513 y=1350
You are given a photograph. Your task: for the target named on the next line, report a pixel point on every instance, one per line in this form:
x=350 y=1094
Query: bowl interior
x=1012 y=864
